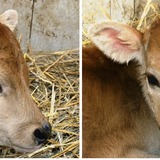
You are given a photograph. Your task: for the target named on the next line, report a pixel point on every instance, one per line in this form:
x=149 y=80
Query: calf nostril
x=40 y=135
x=47 y=127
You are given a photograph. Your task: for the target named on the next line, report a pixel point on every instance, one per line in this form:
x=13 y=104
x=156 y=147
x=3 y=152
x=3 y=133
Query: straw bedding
x=55 y=85
x=140 y=18
x=55 y=89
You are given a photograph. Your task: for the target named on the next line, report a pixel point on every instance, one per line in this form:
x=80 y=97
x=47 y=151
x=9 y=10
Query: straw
x=54 y=84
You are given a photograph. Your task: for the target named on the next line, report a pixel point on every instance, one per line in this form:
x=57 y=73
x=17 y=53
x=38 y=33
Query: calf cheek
x=22 y=135
x=155 y=99
x=7 y=128
x=4 y=141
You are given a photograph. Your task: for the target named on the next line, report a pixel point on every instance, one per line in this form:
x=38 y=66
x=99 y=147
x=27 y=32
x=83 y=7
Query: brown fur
x=117 y=121
x=19 y=115
x=153 y=67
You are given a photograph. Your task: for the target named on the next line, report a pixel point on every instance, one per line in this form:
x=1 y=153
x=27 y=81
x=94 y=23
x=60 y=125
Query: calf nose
x=42 y=134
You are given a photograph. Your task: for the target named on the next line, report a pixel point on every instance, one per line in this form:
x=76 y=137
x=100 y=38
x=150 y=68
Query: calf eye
x=1 y=90
x=153 y=80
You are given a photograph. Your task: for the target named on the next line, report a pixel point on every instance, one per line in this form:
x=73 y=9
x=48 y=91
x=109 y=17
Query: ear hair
x=9 y=18
x=119 y=42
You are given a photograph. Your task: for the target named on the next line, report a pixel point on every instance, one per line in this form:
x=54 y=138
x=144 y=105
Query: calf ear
x=117 y=41
x=9 y=18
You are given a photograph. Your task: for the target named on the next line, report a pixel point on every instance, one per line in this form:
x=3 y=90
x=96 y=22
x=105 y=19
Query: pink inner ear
x=116 y=42
x=109 y=32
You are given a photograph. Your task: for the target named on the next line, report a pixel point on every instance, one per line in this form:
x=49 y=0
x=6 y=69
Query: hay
x=55 y=88
x=99 y=10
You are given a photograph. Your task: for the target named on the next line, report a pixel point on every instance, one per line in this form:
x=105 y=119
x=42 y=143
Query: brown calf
x=121 y=92
x=22 y=126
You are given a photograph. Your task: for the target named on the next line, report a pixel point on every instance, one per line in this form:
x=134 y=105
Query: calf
x=22 y=126
x=121 y=92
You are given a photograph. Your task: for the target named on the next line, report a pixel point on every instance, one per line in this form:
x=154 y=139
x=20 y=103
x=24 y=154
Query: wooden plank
x=122 y=10
x=55 y=25
x=24 y=10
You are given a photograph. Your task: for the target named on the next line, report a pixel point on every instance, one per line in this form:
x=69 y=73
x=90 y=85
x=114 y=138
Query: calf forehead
x=11 y=58
x=9 y=73
x=10 y=52
x=154 y=45
x=9 y=65
x=8 y=43
x=154 y=60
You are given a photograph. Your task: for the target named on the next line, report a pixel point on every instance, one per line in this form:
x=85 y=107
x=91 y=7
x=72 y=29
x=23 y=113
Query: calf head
x=22 y=126
x=123 y=44
x=152 y=82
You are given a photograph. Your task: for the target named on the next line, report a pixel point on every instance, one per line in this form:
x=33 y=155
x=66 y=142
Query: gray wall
x=47 y=25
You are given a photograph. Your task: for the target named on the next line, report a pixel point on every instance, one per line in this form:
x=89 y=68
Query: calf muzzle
x=42 y=134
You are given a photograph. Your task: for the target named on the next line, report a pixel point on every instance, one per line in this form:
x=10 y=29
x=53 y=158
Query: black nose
x=42 y=134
